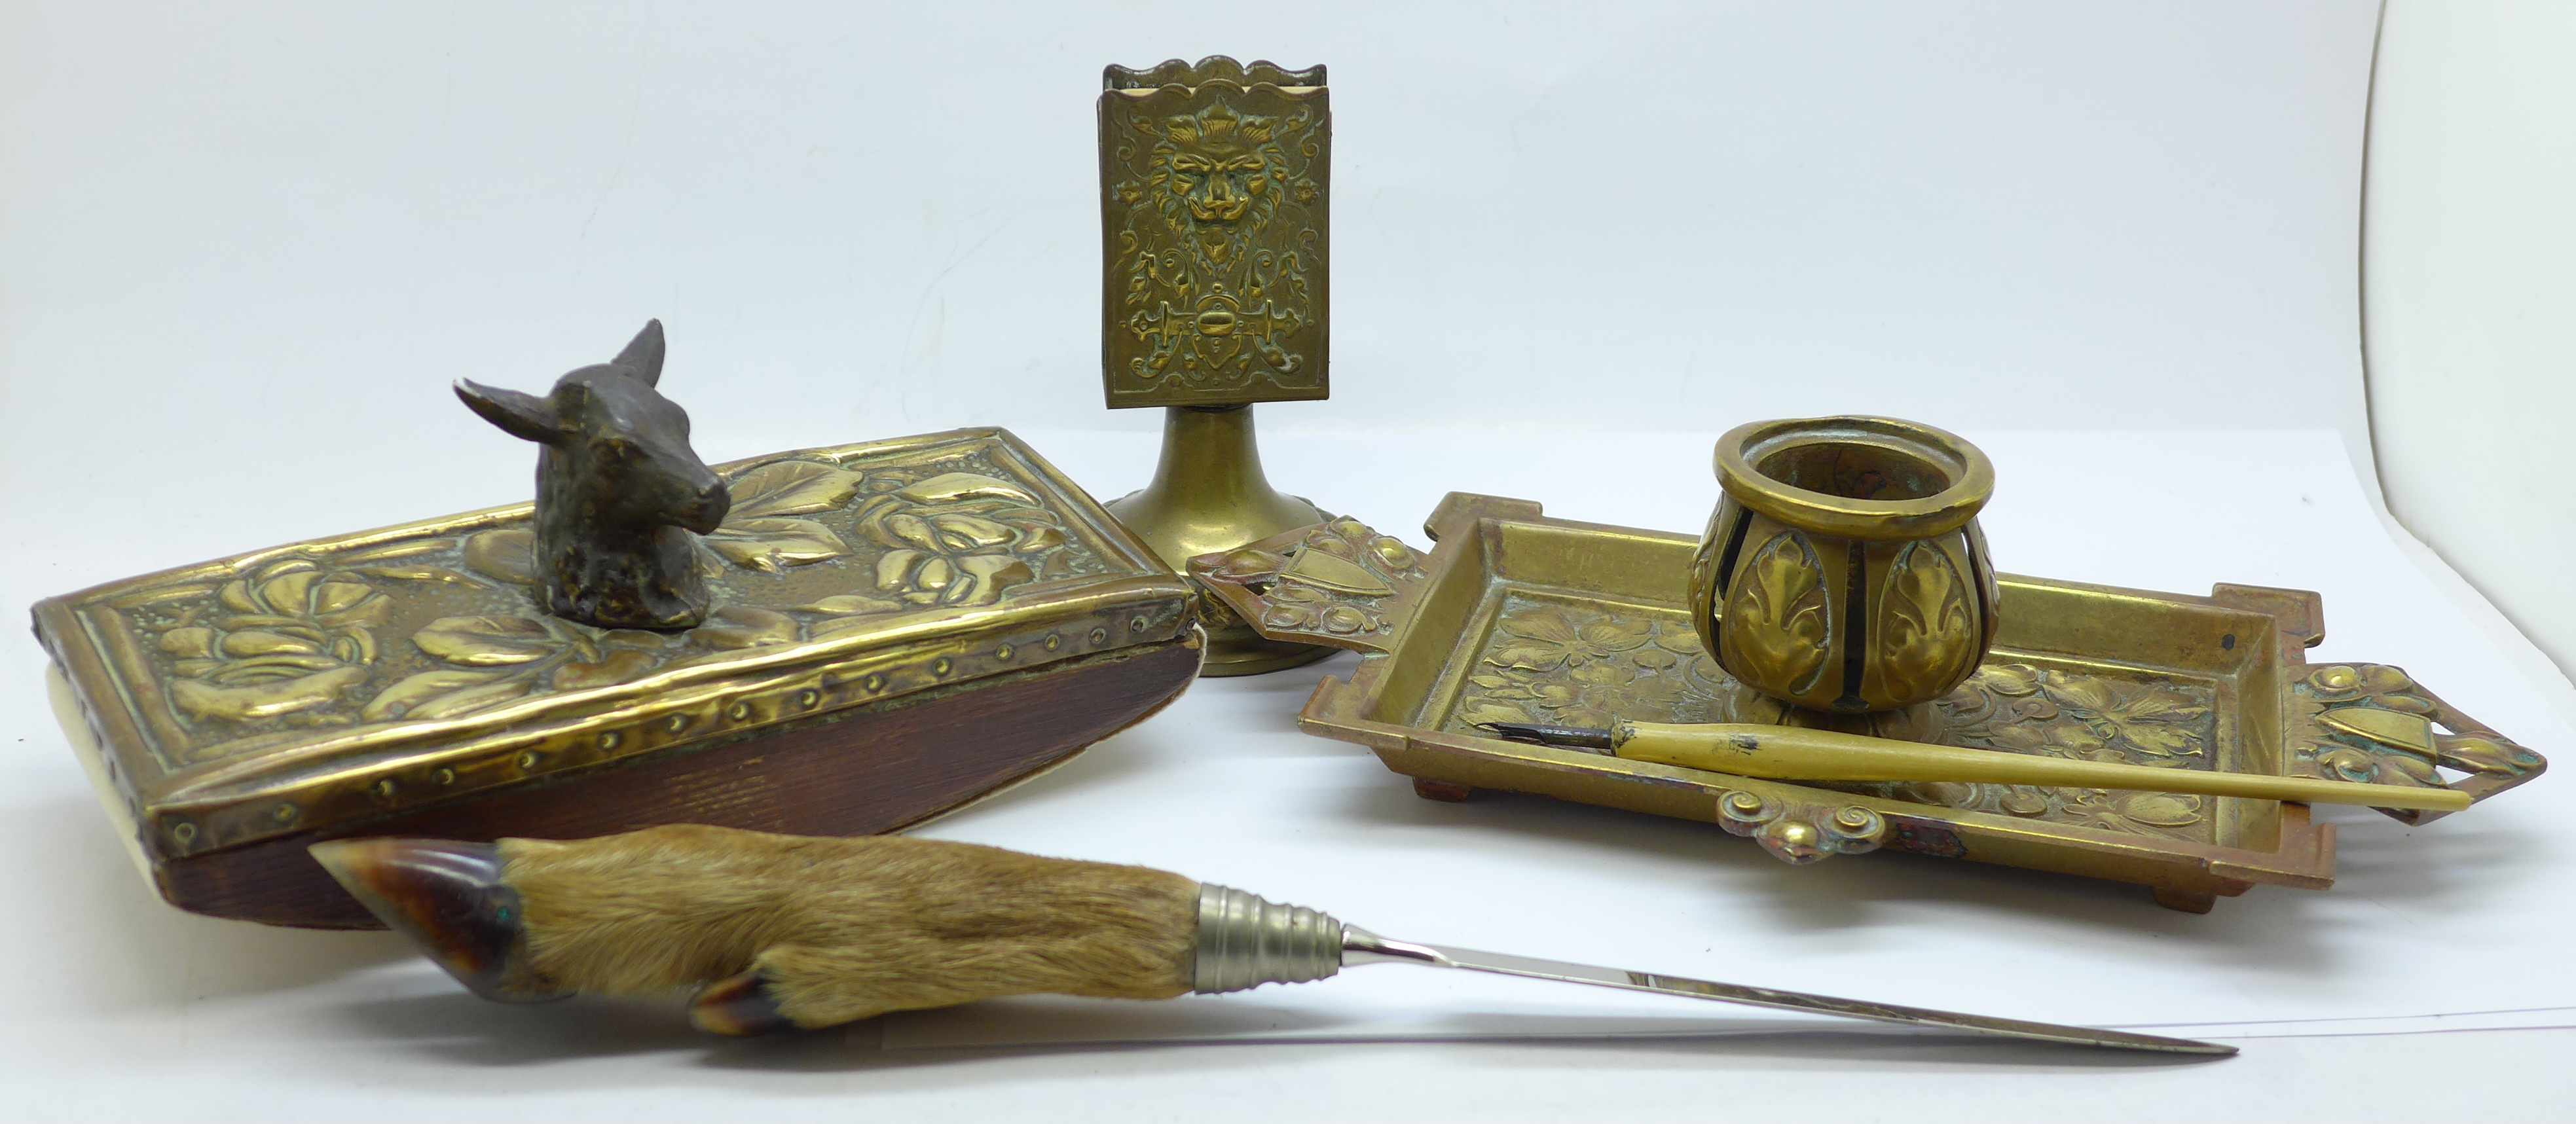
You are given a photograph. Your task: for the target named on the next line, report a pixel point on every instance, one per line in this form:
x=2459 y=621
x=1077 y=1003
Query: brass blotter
x=1521 y=618
x=403 y=680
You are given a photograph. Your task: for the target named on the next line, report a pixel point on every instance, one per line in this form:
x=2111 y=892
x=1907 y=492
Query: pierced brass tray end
x=1214 y=193
x=1517 y=618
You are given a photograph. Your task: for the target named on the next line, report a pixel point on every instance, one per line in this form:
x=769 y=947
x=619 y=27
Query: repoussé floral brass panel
x=1214 y=182
x=1569 y=664
x=313 y=640
x=370 y=673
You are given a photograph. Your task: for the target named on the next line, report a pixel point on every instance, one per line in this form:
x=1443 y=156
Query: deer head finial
x=619 y=491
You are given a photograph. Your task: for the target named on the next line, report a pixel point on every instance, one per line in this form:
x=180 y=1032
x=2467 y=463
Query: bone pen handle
x=1797 y=753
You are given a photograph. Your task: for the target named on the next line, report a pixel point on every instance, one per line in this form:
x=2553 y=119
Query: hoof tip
x=449 y=899
x=739 y=1005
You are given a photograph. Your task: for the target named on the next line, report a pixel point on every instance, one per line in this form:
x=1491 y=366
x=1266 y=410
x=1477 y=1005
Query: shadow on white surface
x=145 y=955
x=1278 y=695
x=2453 y=863
x=458 y=1029
x=453 y=1025
x=1815 y=902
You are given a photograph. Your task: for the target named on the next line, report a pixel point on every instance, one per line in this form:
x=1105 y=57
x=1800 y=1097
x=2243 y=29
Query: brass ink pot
x=1842 y=580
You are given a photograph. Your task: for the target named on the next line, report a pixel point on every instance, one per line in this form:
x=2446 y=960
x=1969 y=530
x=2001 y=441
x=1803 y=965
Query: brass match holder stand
x=1209 y=494
x=1214 y=191
x=1520 y=619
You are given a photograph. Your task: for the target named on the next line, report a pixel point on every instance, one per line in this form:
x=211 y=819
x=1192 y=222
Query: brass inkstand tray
x=1518 y=617
x=898 y=628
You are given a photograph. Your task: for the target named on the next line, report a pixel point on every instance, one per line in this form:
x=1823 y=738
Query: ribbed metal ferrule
x=1245 y=942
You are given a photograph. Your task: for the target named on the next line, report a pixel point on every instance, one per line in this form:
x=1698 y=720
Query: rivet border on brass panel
x=866 y=678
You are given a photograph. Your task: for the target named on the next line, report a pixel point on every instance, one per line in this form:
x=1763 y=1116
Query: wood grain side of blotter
x=859 y=771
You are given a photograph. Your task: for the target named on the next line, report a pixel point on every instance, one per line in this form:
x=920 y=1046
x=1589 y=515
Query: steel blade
x=1363 y=947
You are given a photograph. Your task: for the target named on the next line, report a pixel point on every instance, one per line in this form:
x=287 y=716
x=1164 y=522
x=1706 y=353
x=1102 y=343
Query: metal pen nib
x=1245 y=941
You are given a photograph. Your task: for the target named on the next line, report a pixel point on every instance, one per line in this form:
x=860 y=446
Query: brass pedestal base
x=1920 y=722
x=1208 y=495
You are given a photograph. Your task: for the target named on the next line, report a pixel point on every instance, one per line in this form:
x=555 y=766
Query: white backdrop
x=2468 y=281
x=260 y=238
x=242 y=250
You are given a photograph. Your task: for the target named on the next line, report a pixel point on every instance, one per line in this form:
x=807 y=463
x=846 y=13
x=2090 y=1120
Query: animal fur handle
x=778 y=931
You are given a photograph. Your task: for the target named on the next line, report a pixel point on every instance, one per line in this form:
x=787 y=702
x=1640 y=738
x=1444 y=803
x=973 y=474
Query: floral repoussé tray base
x=1521 y=618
